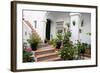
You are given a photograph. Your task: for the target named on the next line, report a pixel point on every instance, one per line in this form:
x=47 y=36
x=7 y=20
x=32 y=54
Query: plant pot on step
x=34 y=46
x=58 y=44
x=34 y=41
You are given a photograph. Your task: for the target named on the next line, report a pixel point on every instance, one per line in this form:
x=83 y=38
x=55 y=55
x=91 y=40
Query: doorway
x=48 y=27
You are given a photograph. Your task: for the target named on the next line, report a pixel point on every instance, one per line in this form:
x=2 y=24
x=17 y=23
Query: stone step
x=46 y=51
x=52 y=59
x=47 y=55
x=42 y=45
x=48 y=48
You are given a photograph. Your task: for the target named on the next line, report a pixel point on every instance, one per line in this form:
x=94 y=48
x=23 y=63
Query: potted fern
x=34 y=41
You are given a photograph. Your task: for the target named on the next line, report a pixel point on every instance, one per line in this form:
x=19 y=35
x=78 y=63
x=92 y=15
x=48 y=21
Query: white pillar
x=74 y=18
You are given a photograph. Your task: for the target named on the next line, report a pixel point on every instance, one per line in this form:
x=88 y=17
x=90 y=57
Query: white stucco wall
x=51 y=15
x=57 y=17
x=26 y=33
x=84 y=37
x=86 y=28
x=74 y=17
x=40 y=17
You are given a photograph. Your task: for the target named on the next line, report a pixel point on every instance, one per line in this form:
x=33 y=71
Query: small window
x=35 y=22
x=25 y=33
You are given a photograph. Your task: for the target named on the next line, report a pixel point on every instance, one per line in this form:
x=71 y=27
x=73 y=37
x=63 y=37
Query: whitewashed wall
x=75 y=17
x=56 y=17
x=86 y=28
x=40 y=17
x=51 y=15
x=26 y=33
x=84 y=37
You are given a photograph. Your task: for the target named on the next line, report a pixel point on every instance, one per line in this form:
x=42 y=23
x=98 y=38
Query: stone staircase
x=33 y=30
x=46 y=53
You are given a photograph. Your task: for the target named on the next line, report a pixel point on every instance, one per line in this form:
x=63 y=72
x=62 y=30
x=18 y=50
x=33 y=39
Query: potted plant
x=46 y=40
x=34 y=41
x=59 y=40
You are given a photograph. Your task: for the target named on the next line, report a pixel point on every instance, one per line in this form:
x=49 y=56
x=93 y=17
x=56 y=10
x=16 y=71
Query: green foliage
x=88 y=46
x=59 y=37
x=34 y=39
x=27 y=56
x=67 y=34
x=67 y=53
x=81 y=47
x=53 y=42
x=88 y=33
x=66 y=40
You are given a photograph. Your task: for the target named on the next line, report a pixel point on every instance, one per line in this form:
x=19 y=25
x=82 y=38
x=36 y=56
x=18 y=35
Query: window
x=59 y=27
x=25 y=33
x=35 y=22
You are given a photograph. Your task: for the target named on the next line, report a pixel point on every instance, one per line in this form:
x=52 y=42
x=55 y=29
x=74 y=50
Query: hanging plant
x=80 y=31
x=82 y=22
x=88 y=33
x=74 y=23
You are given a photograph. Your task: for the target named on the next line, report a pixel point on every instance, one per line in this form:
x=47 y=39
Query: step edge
x=53 y=59
x=44 y=50
x=47 y=55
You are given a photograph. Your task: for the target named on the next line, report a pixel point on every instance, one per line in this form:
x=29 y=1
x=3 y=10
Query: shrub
x=67 y=53
x=27 y=55
x=81 y=47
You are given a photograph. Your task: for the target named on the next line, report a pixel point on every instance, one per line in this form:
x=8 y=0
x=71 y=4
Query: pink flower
x=28 y=49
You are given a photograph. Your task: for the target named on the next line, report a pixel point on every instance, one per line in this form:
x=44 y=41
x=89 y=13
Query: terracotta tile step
x=46 y=55
x=52 y=59
x=43 y=45
x=43 y=50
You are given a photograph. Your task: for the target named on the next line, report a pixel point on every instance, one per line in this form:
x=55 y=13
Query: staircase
x=33 y=30
x=46 y=53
